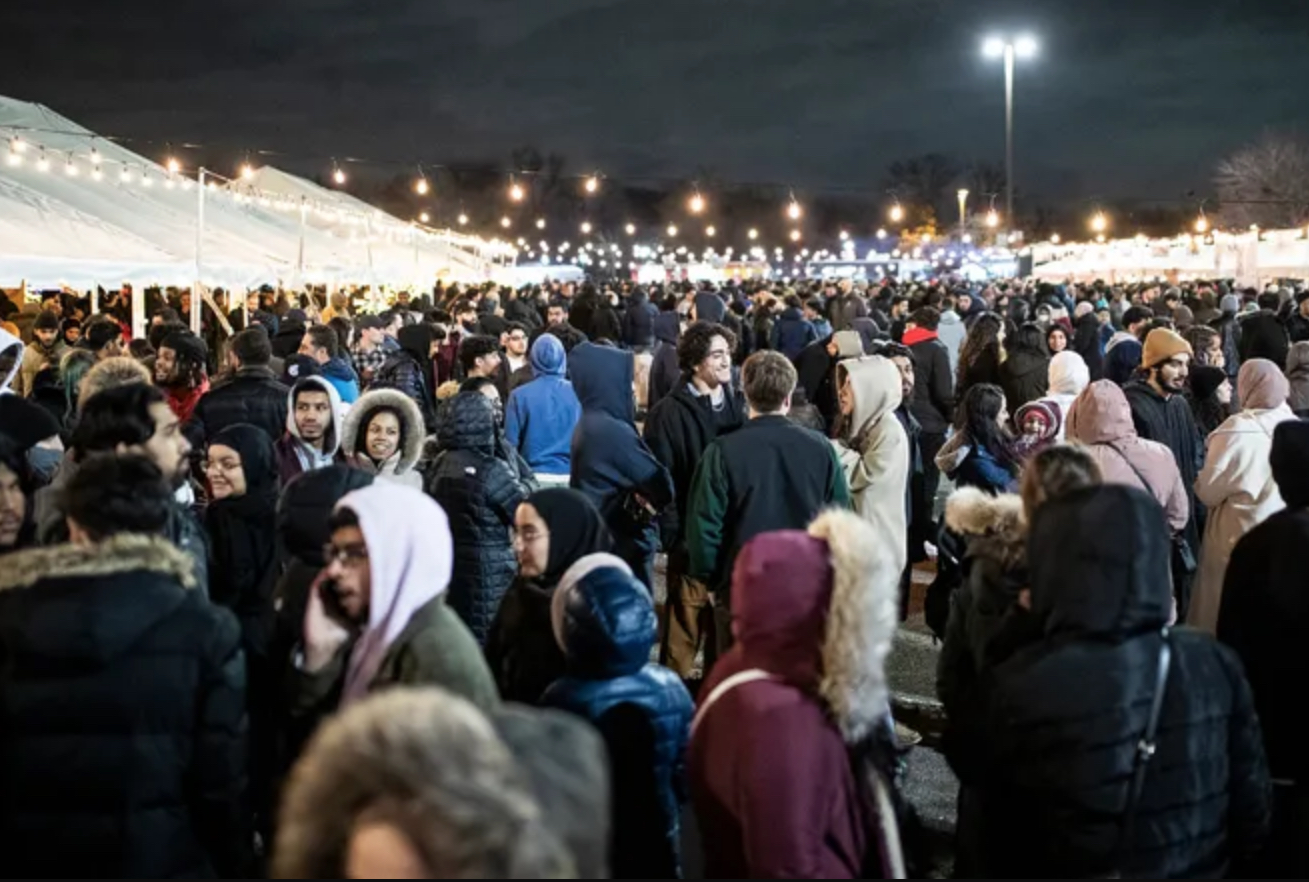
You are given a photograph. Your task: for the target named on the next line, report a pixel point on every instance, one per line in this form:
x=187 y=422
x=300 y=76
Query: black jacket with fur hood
x=122 y=717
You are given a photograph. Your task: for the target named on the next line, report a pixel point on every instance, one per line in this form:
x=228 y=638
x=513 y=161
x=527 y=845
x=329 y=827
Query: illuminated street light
x=592 y=184
x=753 y=234
x=992 y=219
x=793 y=211
x=516 y=193
x=881 y=234
x=1023 y=46
x=1054 y=238
x=506 y=222
x=672 y=229
x=1099 y=223
x=696 y=204
x=897 y=213
x=631 y=229
x=1202 y=224
x=795 y=235
x=586 y=228
x=463 y=219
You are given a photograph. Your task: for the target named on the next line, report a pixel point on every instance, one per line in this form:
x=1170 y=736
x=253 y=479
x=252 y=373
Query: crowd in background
x=221 y=552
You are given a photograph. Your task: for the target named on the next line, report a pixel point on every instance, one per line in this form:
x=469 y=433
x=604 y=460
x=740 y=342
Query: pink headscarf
x=1261 y=385
x=410 y=559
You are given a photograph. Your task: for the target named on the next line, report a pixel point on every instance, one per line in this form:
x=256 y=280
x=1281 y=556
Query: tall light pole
x=963 y=213
x=1009 y=49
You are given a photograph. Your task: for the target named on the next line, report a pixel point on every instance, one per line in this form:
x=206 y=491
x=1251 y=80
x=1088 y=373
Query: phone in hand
x=330 y=593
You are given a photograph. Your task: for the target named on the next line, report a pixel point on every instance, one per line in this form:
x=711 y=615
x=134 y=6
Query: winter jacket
x=520 y=647
x=1265 y=620
x=1024 y=377
x=294 y=457
x=251 y=395
x=1066 y=714
x=1263 y=336
x=985 y=369
x=952 y=333
x=405 y=373
x=1086 y=343
x=709 y=307
x=678 y=431
x=815 y=369
x=664 y=370
x=777 y=790
x=792 y=332
x=341 y=374
x=934 y=398
x=36 y=359
x=875 y=450
x=122 y=725
x=542 y=414
x=1297 y=371
x=638 y=322
x=479 y=494
x=399 y=466
x=286 y=342
x=1237 y=486
x=768 y=475
x=971 y=465
x=605 y=624
x=844 y=309
x=1102 y=423
x=610 y=462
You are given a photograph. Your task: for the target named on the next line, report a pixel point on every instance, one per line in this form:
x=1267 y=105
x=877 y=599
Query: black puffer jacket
x=1067 y=713
x=122 y=725
x=479 y=494
x=1025 y=377
x=406 y=372
x=251 y=395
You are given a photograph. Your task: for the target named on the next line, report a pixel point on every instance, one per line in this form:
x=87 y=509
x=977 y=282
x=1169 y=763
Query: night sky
x=1128 y=98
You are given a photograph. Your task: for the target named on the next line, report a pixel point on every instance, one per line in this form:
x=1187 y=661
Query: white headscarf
x=410 y=560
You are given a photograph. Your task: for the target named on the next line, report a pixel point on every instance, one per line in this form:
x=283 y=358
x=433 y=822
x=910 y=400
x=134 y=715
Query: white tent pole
x=199 y=253
x=300 y=257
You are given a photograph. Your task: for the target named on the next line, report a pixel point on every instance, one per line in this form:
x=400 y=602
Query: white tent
x=80 y=210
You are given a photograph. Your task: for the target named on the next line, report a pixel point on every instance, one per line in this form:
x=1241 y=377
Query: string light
x=17 y=145
x=338 y=175
x=586 y=228
x=795 y=235
x=710 y=231
x=993 y=218
x=697 y=204
x=516 y=192
x=96 y=174
x=421 y=186
x=592 y=184
x=424 y=217
x=631 y=229
x=145 y=180
x=247 y=171
x=793 y=211
x=125 y=175
x=540 y=223
x=173 y=165
x=897 y=213
x=1099 y=223
x=672 y=229
x=463 y=219
x=506 y=222
x=1054 y=238
x=69 y=168
x=845 y=237
x=43 y=164
x=1202 y=223
x=753 y=234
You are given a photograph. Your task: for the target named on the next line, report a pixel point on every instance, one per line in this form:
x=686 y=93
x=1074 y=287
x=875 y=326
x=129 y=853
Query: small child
x=1038 y=425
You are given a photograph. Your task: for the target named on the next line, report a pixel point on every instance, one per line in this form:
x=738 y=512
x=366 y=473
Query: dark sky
x=1134 y=98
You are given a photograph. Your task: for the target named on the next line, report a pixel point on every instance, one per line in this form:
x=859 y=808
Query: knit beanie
x=1230 y=304
x=23 y=424
x=1162 y=344
x=1290 y=462
x=1205 y=381
x=46 y=321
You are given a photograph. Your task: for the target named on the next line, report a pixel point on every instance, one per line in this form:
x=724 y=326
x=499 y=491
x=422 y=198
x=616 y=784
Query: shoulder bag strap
x=1145 y=483
x=1145 y=751
x=738 y=679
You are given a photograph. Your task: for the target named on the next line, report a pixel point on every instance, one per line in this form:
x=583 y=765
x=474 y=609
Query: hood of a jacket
x=604 y=619
x=819 y=609
x=667 y=327
x=1101 y=415
x=1025 y=362
x=81 y=631
x=993 y=525
x=877 y=392
x=1113 y=581
x=548 y=357
x=332 y=438
x=468 y=424
x=602 y=379
x=411 y=425
x=848 y=344
x=1069 y=374
x=791 y=314
x=11 y=359
x=953 y=454
x=1297 y=361
x=339 y=368
x=305 y=509
x=950 y=317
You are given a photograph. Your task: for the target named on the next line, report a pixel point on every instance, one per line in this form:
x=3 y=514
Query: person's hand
x=324 y=634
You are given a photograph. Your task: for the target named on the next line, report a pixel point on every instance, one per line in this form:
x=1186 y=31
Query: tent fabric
x=61 y=229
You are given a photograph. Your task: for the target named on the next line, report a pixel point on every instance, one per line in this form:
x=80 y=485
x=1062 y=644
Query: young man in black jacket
x=250 y=394
x=703 y=406
x=933 y=407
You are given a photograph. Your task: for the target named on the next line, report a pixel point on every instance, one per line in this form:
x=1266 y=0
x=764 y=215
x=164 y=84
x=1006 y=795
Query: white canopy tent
x=80 y=210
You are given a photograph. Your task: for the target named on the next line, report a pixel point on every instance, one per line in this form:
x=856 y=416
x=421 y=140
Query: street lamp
x=1009 y=49
x=1099 y=223
x=897 y=213
x=963 y=210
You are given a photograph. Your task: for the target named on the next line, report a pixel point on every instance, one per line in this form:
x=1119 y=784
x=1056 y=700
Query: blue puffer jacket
x=340 y=374
x=606 y=630
x=792 y=332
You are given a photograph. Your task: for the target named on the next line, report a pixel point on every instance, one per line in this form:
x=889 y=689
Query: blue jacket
x=638 y=322
x=541 y=414
x=792 y=332
x=971 y=465
x=607 y=630
x=339 y=372
x=609 y=459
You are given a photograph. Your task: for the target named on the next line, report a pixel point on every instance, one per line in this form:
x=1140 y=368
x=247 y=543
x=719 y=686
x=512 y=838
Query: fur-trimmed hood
x=86 y=605
x=993 y=525
x=411 y=425
x=819 y=609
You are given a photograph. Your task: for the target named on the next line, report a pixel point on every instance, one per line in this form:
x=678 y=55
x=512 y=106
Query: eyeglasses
x=528 y=537
x=345 y=556
x=222 y=465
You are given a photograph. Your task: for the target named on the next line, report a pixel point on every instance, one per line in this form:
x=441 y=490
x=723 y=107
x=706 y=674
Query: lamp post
x=1009 y=50
x=963 y=213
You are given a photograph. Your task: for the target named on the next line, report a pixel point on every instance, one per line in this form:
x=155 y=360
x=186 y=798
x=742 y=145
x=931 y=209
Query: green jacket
x=770 y=474
x=434 y=649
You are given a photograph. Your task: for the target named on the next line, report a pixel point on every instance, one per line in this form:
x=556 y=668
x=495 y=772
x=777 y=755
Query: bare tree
x=1266 y=183
x=923 y=182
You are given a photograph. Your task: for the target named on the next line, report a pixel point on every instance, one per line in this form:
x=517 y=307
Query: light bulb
x=540 y=223
x=672 y=229
x=845 y=237
x=1099 y=222
x=339 y=176
x=1202 y=224
x=710 y=231
x=145 y=180
x=586 y=228
x=753 y=234
x=881 y=234
x=697 y=204
x=43 y=164
x=174 y=166
x=992 y=218
x=17 y=145
x=516 y=193
x=897 y=213
x=70 y=169
x=631 y=229
x=463 y=220
x=247 y=172
x=793 y=210
x=1054 y=238
x=96 y=174
x=125 y=175
x=422 y=187
x=592 y=184
x=795 y=235
x=424 y=217
x=506 y=222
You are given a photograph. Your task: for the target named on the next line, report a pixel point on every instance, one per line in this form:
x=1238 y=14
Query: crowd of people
x=331 y=591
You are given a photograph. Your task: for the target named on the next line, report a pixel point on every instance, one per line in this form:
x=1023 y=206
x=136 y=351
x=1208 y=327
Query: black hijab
x=243 y=536
x=576 y=529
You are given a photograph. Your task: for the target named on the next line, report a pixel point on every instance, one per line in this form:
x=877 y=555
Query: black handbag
x=1145 y=751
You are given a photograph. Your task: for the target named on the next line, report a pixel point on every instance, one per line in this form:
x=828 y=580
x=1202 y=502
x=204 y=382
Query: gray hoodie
x=952 y=332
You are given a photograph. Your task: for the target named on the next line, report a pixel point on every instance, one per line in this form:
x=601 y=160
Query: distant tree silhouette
x=1266 y=183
